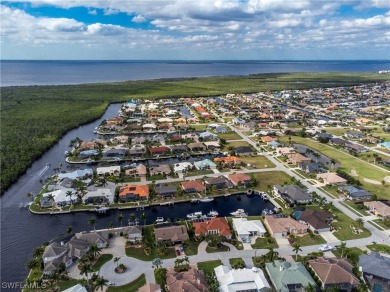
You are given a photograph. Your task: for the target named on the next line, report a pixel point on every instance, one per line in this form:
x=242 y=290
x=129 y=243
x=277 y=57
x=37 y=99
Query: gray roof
x=375 y=264
x=166 y=189
x=90 y=237
x=294 y=192
x=53 y=250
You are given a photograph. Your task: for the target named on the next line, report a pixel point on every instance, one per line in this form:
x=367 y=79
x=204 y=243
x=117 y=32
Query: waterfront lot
x=257 y=161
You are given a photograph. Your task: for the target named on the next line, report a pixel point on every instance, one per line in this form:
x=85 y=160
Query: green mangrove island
x=33 y=118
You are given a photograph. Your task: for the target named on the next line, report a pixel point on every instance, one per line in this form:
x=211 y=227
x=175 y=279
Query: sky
x=195 y=29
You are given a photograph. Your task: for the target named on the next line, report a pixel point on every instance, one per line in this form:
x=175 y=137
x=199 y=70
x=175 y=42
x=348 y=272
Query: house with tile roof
x=192 y=280
x=150 y=287
x=280 y=226
x=297 y=158
x=378 y=208
x=239 y=179
x=334 y=272
x=133 y=192
x=331 y=178
x=159 y=150
x=162 y=169
x=193 y=186
x=217 y=225
x=292 y=194
x=173 y=234
x=287 y=277
x=316 y=220
x=248 y=228
x=228 y=161
x=376 y=271
x=266 y=139
x=219 y=182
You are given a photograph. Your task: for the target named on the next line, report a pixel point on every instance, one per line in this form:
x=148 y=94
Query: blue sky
x=191 y=30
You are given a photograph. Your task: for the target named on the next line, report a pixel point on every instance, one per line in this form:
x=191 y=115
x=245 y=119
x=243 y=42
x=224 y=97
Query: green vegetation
x=191 y=247
x=133 y=286
x=257 y=161
x=383 y=248
x=67 y=284
x=237 y=144
x=265 y=242
x=221 y=248
x=309 y=239
x=382 y=223
x=208 y=267
x=229 y=136
x=267 y=179
x=352 y=254
x=237 y=263
x=33 y=118
x=104 y=258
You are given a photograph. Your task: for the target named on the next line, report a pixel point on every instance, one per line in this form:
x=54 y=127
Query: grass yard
x=309 y=240
x=229 y=136
x=104 y=258
x=352 y=255
x=199 y=127
x=257 y=161
x=192 y=248
x=67 y=284
x=217 y=249
x=381 y=223
x=265 y=179
x=348 y=163
x=265 y=243
x=383 y=248
x=358 y=207
x=208 y=267
x=237 y=144
x=131 y=287
x=237 y=263
x=342 y=224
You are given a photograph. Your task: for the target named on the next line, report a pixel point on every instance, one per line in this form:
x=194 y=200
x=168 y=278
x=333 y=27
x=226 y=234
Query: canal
x=22 y=231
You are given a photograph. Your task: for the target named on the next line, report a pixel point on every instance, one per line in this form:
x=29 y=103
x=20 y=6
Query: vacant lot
x=258 y=161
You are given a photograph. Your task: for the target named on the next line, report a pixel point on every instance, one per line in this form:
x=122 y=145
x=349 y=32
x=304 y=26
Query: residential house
x=338 y=142
x=166 y=190
x=79 y=173
x=160 y=150
x=370 y=140
x=108 y=171
x=281 y=226
x=288 y=277
x=376 y=271
x=163 y=169
x=316 y=220
x=114 y=153
x=193 y=186
x=182 y=167
x=219 y=182
x=99 y=196
x=76 y=288
x=334 y=272
x=240 y=179
x=137 y=150
x=92 y=238
x=353 y=135
x=212 y=145
x=297 y=158
x=133 y=192
x=54 y=254
x=173 y=234
x=243 y=151
x=285 y=150
x=238 y=121
x=378 y=208
x=241 y=280
x=248 y=228
x=228 y=161
x=87 y=153
x=331 y=178
x=356 y=148
x=324 y=136
x=267 y=139
x=150 y=287
x=134 y=233
x=178 y=148
x=354 y=193
x=139 y=171
x=204 y=164
x=192 y=280
x=58 y=198
x=208 y=136
x=213 y=226
x=292 y=194
x=274 y=145
x=311 y=167
x=197 y=146
x=138 y=140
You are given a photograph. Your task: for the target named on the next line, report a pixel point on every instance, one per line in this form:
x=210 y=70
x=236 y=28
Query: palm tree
x=69 y=230
x=85 y=269
x=100 y=283
x=119 y=218
x=310 y=288
x=296 y=249
x=186 y=259
x=38 y=251
x=132 y=218
x=157 y=262
x=54 y=277
x=94 y=249
x=50 y=197
x=271 y=255
x=110 y=225
x=362 y=287
x=92 y=222
x=70 y=194
x=32 y=264
x=343 y=247
x=359 y=222
x=116 y=260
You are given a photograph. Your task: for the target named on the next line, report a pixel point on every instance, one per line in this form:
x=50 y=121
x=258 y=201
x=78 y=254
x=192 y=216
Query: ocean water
x=77 y=72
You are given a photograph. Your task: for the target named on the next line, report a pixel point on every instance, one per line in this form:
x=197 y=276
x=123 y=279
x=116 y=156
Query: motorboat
x=101 y=209
x=159 y=219
x=265 y=197
x=194 y=200
x=206 y=200
x=239 y=213
x=195 y=215
x=212 y=213
x=249 y=192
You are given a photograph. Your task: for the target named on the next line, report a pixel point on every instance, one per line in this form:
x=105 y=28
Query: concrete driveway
x=283 y=242
x=329 y=237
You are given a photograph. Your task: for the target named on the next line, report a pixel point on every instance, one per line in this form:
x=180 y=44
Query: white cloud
x=139 y=19
x=92 y=12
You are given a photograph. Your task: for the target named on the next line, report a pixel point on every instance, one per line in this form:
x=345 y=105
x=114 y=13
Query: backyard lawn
x=208 y=267
x=237 y=144
x=237 y=263
x=131 y=287
x=258 y=161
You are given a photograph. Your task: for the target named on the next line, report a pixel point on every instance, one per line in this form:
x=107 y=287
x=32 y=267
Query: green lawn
x=237 y=144
x=258 y=161
x=352 y=256
x=208 y=267
x=131 y=287
x=383 y=248
x=104 y=258
x=237 y=263
x=265 y=179
x=265 y=243
x=229 y=136
x=309 y=240
x=358 y=207
x=199 y=127
x=381 y=224
x=348 y=163
x=67 y=284
x=217 y=249
x=192 y=248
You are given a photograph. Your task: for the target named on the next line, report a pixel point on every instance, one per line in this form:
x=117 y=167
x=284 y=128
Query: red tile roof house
x=334 y=272
x=193 y=186
x=213 y=226
x=188 y=281
x=159 y=150
x=239 y=179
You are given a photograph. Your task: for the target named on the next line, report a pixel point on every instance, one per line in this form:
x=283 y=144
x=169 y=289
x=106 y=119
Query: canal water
x=22 y=231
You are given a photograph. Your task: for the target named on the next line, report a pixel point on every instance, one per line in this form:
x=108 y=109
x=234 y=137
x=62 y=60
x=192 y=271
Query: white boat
x=195 y=215
x=249 y=192
x=171 y=132
x=101 y=209
x=239 y=213
x=21 y=205
x=206 y=199
x=167 y=203
x=159 y=219
x=213 y=213
x=89 y=161
x=194 y=200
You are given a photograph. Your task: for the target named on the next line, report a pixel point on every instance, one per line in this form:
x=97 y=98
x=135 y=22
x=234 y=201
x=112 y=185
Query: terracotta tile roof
x=266 y=139
x=139 y=190
x=279 y=224
x=228 y=159
x=193 y=184
x=189 y=281
x=238 y=178
x=219 y=223
x=159 y=149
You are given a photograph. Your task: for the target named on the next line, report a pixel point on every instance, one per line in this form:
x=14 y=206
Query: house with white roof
x=182 y=167
x=76 y=174
x=241 y=280
x=99 y=196
x=108 y=170
x=59 y=197
x=205 y=164
x=247 y=228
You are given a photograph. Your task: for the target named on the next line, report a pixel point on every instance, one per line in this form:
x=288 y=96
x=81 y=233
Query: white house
x=182 y=167
x=99 y=195
x=247 y=228
x=108 y=170
x=76 y=288
x=241 y=280
x=60 y=198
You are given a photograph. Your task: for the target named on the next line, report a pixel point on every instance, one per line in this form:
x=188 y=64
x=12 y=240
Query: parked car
x=326 y=248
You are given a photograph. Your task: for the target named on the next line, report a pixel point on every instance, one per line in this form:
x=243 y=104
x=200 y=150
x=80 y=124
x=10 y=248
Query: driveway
x=116 y=247
x=283 y=242
x=329 y=237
